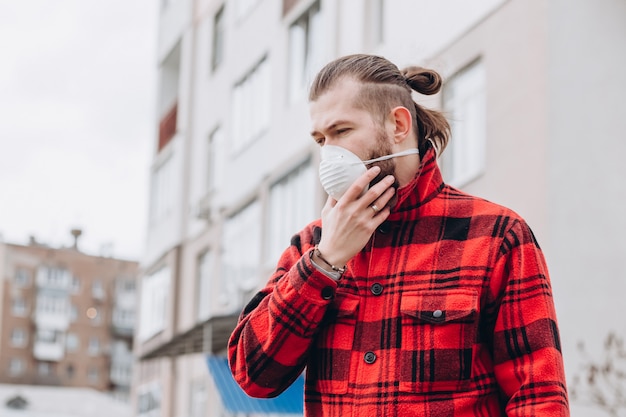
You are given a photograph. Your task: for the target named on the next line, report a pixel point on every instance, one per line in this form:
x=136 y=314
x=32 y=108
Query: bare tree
x=602 y=383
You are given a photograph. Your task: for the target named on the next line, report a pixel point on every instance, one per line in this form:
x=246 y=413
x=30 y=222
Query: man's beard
x=387 y=167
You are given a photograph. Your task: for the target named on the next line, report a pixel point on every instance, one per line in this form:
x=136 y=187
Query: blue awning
x=236 y=401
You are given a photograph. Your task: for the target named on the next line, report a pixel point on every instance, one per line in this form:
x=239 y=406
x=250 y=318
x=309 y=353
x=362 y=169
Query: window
x=121 y=363
x=464 y=102
x=123 y=317
x=93 y=375
x=53 y=303
x=154 y=301
x=251 y=106
x=73 y=313
x=219 y=30
x=197 y=399
x=291 y=207
x=72 y=342
x=125 y=286
x=53 y=277
x=121 y=373
x=18 y=306
x=97 y=290
x=149 y=400
x=49 y=336
x=242 y=253
x=94 y=346
x=18 y=337
x=16 y=366
x=203 y=288
x=215 y=160
x=162 y=191
x=44 y=368
x=306 y=44
x=22 y=277
x=75 y=285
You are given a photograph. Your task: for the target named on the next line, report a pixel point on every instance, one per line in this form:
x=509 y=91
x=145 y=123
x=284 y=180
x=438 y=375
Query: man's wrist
x=335 y=267
x=321 y=264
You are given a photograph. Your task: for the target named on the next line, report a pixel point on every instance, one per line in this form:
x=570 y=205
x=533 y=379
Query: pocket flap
x=346 y=304
x=440 y=306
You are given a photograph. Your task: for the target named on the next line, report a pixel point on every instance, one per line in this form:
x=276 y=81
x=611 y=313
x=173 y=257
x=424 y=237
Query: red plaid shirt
x=447 y=311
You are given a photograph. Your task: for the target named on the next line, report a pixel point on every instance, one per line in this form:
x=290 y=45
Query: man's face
x=336 y=121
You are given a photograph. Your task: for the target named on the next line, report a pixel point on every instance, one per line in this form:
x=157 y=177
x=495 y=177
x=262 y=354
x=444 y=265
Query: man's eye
x=342 y=131
x=319 y=141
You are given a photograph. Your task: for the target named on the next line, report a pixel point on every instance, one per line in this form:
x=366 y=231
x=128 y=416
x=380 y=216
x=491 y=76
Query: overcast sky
x=77 y=94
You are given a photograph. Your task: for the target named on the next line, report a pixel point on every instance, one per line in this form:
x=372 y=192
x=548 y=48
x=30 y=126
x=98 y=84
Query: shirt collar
x=427 y=183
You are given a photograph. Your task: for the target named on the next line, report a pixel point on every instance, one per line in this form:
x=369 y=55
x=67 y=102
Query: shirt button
x=437 y=314
x=377 y=289
x=370 y=357
x=328 y=293
x=384 y=228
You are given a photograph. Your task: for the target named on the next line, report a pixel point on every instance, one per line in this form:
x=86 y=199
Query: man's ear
x=403 y=123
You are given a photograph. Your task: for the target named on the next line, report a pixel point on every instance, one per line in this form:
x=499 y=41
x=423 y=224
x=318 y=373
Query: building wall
x=554 y=153
x=586 y=171
x=511 y=45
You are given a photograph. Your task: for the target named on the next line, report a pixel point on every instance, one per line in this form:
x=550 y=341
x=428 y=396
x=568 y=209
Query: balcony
x=167 y=126
x=53 y=278
x=49 y=346
x=123 y=322
x=49 y=319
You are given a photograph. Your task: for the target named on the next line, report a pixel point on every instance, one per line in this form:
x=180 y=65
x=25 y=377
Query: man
x=408 y=297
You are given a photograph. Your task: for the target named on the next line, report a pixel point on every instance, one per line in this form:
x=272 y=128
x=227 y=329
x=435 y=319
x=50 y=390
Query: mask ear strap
x=394 y=155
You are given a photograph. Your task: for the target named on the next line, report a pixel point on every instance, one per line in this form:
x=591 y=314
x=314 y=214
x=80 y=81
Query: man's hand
x=348 y=224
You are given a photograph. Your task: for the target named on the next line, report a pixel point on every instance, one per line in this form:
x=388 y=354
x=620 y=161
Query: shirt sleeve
x=527 y=350
x=269 y=346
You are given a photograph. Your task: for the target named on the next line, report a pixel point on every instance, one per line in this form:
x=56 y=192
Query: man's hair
x=384 y=87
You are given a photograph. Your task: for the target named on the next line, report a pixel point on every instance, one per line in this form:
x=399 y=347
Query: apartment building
x=66 y=318
x=234 y=171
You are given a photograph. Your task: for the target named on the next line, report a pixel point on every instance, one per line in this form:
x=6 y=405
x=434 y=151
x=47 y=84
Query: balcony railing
x=48 y=351
x=58 y=320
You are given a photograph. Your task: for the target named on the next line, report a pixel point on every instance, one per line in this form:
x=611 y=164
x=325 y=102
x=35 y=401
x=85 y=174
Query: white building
x=534 y=91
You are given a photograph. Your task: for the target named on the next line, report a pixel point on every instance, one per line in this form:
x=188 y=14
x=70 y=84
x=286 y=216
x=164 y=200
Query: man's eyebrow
x=330 y=127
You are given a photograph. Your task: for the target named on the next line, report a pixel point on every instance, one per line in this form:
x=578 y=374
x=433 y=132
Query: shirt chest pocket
x=330 y=361
x=439 y=331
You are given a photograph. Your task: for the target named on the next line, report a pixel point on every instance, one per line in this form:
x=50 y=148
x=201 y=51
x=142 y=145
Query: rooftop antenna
x=76 y=233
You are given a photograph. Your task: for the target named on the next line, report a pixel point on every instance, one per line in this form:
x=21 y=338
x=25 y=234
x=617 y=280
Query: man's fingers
x=378 y=190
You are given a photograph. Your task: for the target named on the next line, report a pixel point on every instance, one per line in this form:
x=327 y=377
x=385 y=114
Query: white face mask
x=339 y=168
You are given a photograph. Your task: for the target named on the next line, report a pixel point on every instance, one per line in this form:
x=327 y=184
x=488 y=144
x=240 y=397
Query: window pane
x=464 y=102
x=203 y=290
x=306 y=44
x=242 y=253
x=291 y=208
x=162 y=199
x=218 y=39
x=251 y=106
x=154 y=301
